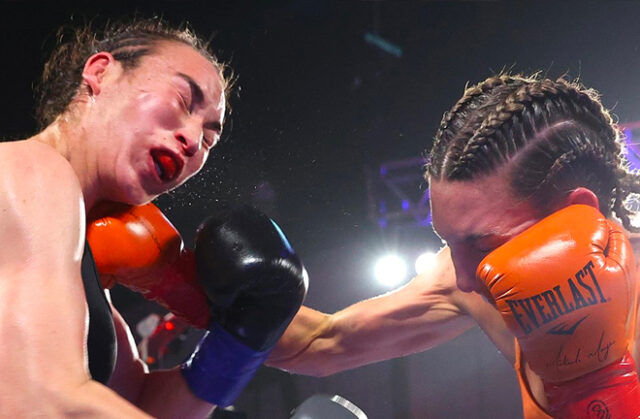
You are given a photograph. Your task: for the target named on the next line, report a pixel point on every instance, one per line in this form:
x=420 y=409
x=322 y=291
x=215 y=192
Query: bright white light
x=424 y=262
x=390 y=270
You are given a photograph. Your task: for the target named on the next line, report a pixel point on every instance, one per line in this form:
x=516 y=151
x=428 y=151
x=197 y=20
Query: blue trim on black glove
x=221 y=366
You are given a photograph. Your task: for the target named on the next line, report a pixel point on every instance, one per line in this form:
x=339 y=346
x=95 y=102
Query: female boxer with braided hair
x=127 y=113
x=580 y=148
x=522 y=173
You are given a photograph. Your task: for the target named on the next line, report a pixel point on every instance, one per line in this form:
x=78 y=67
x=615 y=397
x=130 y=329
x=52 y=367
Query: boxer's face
x=473 y=218
x=157 y=122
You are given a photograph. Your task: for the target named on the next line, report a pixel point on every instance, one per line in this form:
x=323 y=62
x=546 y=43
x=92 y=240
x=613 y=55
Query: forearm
x=304 y=343
x=165 y=394
x=336 y=344
x=374 y=330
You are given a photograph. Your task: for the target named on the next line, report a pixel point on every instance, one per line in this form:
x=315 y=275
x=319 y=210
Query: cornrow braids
x=461 y=121
x=551 y=136
x=127 y=41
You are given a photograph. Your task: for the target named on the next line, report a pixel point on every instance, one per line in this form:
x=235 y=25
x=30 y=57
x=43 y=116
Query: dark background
x=315 y=109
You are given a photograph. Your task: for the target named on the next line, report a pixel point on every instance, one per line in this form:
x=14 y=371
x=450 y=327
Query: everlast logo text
x=537 y=310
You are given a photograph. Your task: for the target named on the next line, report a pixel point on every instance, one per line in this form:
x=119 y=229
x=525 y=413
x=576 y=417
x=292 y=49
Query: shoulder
x=40 y=196
x=34 y=156
x=30 y=166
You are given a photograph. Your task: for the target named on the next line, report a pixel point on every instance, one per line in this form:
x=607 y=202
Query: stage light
x=390 y=270
x=424 y=262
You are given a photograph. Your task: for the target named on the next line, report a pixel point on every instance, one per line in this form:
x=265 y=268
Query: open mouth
x=167 y=165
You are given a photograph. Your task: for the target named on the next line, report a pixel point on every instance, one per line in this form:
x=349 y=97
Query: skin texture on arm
x=414 y=318
x=43 y=312
x=161 y=393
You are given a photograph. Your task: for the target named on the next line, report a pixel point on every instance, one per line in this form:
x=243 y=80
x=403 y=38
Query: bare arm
x=162 y=393
x=414 y=318
x=43 y=313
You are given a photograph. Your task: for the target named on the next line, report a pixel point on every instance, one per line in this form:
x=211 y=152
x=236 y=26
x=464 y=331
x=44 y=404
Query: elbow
x=316 y=367
x=328 y=357
x=312 y=364
x=326 y=370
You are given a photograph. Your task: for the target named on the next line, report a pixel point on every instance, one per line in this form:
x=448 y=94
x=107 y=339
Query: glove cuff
x=610 y=392
x=220 y=367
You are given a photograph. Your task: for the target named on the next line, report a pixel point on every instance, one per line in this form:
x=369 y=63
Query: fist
x=565 y=288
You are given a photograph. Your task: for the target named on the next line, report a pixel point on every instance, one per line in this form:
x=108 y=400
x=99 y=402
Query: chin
x=134 y=196
x=142 y=198
x=140 y=201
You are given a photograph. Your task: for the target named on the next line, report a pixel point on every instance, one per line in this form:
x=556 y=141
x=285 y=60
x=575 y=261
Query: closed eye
x=211 y=138
x=489 y=243
x=209 y=142
x=184 y=103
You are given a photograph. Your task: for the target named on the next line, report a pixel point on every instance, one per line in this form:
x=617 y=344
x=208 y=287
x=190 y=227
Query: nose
x=190 y=138
x=465 y=267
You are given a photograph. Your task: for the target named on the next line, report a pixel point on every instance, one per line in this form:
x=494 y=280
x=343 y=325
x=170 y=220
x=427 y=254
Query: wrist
x=221 y=367
x=612 y=391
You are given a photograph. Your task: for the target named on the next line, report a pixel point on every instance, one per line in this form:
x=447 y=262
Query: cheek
x=195 y=164
x=157 y=110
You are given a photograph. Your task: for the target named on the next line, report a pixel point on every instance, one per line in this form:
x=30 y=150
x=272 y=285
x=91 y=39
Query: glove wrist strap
x=221 y=367
x=610 y=392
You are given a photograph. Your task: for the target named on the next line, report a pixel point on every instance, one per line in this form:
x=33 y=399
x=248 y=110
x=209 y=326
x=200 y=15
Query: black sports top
x=101 y=341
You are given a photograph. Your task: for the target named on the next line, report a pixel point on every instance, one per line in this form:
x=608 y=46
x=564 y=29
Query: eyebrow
x=198 y=96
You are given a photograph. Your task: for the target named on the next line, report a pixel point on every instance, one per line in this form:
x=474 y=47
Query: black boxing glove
x=255 y=284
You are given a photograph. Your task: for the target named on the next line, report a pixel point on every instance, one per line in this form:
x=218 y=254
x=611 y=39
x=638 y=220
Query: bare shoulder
x=32 y=164
x=40 y=197
x=28 y=154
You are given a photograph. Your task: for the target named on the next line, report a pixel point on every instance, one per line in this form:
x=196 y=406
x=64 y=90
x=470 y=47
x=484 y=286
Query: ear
x=94 y=70
x=582 y=196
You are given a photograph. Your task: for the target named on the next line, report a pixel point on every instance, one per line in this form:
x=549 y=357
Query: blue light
x=426 y=221
x=632 y=153
x=383 y=44
x=282 y=236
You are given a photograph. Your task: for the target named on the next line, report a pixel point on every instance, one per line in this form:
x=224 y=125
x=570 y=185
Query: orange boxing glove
x=136 y=246
x=566 y=289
